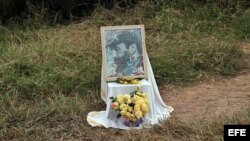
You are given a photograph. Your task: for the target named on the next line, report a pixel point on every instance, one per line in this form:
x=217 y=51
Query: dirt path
x=210 y=99
x=216 y=98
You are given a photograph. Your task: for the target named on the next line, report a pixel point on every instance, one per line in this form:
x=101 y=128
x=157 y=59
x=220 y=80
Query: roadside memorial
x=128 y=86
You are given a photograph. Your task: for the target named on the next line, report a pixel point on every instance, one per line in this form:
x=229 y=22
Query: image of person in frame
x=125 y=53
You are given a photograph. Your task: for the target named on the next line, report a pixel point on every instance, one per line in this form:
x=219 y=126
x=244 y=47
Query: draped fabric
x=159 y=111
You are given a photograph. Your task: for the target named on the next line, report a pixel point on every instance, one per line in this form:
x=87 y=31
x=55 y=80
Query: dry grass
x=50 y=76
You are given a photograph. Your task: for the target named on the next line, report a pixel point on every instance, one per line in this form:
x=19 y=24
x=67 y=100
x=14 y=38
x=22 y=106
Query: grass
x=50 y=75
x=242 y=25
x=64 y=118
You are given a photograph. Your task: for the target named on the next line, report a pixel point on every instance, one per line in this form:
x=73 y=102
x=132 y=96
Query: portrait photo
x=123 y=49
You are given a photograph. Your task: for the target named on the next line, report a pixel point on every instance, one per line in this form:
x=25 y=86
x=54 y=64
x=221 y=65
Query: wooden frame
x=124 y=52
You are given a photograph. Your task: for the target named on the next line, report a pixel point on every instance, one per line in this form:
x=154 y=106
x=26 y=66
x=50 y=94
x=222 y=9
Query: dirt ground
x=210 y=99
x=218 y=97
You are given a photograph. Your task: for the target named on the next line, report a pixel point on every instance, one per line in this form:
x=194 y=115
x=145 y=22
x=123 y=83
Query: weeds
x=50 y=75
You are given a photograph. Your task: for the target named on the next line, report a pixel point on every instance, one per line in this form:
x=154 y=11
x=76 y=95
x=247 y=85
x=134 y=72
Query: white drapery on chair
x=159 y=111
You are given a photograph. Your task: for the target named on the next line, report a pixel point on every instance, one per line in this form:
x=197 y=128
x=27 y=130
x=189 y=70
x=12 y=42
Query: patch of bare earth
x=219 y=97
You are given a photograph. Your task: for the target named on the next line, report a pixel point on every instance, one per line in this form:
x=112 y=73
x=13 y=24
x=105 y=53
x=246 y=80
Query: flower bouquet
x=127 y=80
x=131 y=107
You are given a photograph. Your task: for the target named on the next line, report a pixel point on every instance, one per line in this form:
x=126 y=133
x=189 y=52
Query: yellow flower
x=140 y=102
x=120 y=99
x=137 y=107
x=126 y=96
x=123 y=107
x=146 y=101
x=129 y=101
x=144 y=108
x=138 y=114
x=127 y=114
x=135 y=98
x=124 y=104
x=135 y=81
x=123 y=113
x=143 y=95
x=129 y=109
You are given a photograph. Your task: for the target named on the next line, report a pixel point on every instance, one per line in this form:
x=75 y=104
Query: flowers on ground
x=131 y=106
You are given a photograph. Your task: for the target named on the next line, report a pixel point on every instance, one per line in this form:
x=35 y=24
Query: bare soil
x=210 y=99
x=218 y=97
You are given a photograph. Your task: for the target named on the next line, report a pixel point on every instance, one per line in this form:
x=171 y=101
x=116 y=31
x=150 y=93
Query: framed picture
x=123 y=49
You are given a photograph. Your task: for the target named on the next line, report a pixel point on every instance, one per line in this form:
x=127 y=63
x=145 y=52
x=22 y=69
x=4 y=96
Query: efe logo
x=236 y=132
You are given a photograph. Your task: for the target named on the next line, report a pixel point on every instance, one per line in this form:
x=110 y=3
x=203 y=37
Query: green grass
x=50 y=75
x=242 y=25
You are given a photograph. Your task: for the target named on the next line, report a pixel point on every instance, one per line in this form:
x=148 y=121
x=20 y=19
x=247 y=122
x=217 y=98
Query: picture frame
x=124 y=52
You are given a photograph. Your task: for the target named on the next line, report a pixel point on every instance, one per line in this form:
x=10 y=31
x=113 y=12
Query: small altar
x=108 y=118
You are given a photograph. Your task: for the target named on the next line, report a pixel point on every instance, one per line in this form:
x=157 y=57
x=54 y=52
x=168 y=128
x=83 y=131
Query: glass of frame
x=124 y=52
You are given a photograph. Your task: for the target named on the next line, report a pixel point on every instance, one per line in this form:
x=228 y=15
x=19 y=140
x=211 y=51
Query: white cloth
x=158 y=112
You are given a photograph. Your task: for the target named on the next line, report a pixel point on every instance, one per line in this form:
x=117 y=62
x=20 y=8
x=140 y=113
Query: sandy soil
x=218 y=97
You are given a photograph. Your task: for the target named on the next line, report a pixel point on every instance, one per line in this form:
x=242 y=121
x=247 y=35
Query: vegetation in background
x=55 y=11
x=61 y=10
x=49 y=75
